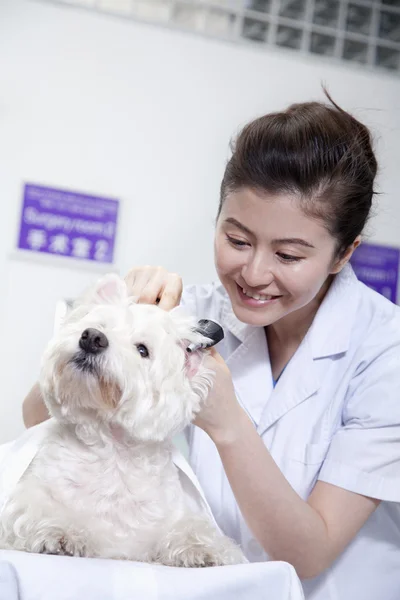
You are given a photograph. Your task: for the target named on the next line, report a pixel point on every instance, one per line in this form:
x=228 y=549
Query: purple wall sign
x=378 y=267
x=65 y=223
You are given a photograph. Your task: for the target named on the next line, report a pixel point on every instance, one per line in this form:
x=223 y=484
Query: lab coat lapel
x=298 y=382
x=251 y=372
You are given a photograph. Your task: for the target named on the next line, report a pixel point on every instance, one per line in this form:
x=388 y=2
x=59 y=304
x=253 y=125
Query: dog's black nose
x=93 y=341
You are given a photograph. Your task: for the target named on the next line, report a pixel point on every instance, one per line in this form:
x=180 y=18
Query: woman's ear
x=344 y=259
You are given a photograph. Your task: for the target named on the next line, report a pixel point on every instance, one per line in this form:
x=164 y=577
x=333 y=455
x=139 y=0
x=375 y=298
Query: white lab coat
x=333 y=416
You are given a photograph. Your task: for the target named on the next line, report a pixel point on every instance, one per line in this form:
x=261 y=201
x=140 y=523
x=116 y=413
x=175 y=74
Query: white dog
x=119 y=383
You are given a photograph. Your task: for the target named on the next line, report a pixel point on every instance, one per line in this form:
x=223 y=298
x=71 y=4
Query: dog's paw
x=195 y=542
x=226 y=552
x=64 y=545
x=205 y=556
x=199 y=557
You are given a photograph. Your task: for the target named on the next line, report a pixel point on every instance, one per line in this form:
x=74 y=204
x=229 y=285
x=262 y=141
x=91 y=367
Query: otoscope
x=210 y=329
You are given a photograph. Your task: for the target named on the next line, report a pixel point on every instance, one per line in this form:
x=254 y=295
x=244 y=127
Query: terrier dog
x=119 y=384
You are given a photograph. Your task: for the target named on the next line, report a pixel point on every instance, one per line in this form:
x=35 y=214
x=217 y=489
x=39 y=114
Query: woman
x=298 y=449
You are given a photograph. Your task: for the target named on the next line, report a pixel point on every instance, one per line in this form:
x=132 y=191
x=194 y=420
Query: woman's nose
x=257 y=272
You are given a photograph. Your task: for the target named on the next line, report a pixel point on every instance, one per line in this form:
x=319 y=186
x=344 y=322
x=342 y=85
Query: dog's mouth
x=97 y=390
x=86 y=363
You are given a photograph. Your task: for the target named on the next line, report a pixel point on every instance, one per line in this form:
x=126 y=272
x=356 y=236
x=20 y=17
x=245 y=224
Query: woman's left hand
x=221 y=413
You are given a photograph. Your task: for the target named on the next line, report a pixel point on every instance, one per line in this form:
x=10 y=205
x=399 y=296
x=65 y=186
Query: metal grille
x=365 y=32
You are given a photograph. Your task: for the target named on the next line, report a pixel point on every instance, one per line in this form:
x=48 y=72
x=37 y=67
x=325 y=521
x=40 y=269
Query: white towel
x=8 y=582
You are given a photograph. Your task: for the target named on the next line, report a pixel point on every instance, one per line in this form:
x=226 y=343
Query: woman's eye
x=144 y=353
x=236 y=242
x=288 y=257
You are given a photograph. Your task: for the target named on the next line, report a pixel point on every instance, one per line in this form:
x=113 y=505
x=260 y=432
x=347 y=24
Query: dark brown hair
x=316 y=152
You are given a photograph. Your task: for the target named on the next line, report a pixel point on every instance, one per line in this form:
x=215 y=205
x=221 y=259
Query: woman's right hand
x=154 y=285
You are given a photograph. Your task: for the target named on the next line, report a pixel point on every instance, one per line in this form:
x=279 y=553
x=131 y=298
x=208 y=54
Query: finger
x=216 y=355
x=214 y=352
x=152 y=291
x=172 y=293
x=138 y=284
x=129 y=279
x=134 y=275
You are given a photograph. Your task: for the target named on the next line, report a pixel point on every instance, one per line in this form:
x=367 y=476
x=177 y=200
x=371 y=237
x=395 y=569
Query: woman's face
x=271 y=258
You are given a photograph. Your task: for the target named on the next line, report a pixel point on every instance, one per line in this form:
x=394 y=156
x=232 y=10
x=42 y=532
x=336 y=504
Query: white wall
x=102 y=105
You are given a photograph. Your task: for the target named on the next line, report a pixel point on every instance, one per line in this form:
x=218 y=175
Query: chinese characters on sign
x=378 y=267
x=69 y=224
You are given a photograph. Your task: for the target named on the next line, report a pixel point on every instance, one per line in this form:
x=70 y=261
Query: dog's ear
x=193 y=361
x=109 y=289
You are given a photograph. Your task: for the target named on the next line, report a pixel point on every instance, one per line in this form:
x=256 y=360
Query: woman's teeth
x=261 y=297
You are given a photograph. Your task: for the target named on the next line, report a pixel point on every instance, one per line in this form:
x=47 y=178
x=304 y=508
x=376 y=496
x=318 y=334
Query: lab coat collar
x=230 y=321
x=330 y=332
x=251 y=372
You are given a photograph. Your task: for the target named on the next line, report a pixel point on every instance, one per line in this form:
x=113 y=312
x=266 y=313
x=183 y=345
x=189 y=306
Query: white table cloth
x=42 y=577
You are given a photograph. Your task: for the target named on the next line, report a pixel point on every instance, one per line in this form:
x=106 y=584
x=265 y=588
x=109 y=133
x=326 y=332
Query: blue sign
x=65 y=223
x=378 y=267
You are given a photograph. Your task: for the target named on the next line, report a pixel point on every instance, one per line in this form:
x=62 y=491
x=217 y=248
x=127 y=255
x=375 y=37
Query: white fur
x=103 y=483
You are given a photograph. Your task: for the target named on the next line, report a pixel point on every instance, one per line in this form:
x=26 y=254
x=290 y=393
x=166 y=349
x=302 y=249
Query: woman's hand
x=154 y=285
x=221 y=416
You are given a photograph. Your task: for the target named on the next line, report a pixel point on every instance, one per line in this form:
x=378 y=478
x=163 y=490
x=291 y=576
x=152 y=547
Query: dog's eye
x=144 y=353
